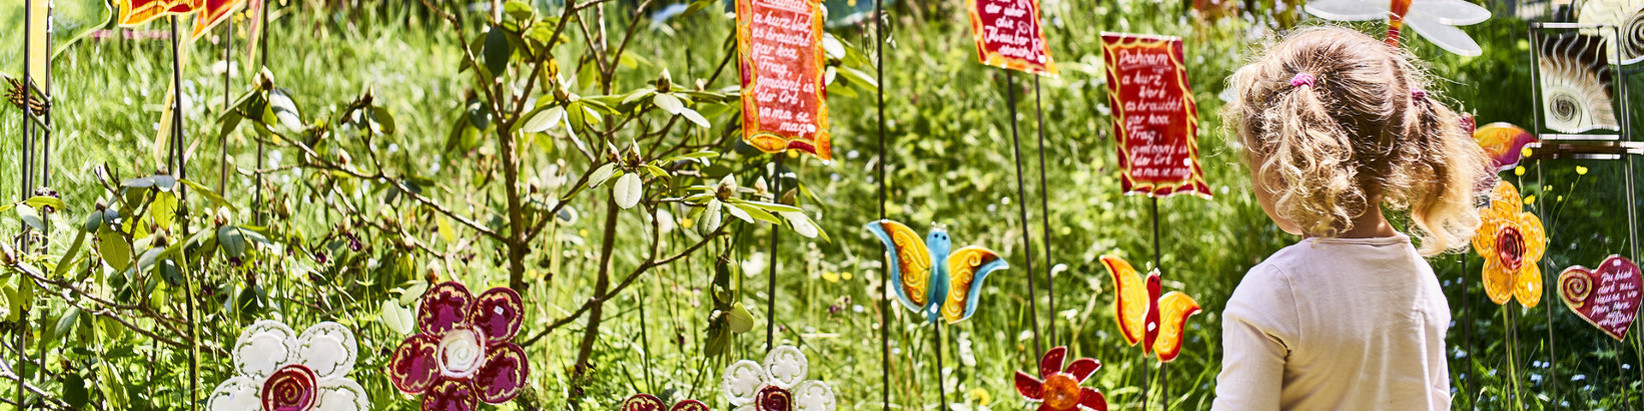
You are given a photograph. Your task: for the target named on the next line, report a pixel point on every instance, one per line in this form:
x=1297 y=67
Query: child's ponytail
x=1313 y=148
x=1449 y=168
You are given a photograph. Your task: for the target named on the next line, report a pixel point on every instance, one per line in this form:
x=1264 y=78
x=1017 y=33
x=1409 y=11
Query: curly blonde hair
x=1355 y=133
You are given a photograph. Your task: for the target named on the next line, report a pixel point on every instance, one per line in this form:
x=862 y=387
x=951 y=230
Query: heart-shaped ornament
x=1607 y=297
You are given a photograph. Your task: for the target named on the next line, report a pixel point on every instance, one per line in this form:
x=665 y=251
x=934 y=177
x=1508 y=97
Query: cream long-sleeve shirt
x=1333 y=323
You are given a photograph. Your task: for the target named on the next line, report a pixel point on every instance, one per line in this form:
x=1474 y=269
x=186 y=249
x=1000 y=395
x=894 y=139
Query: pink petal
x=503 y=374
x=291 y=388
x=414 y=366
x=450 y=395
x=1052 y=362
x=1082 y=368
x=443 y=307
x=499 y=312
x=1030 y=387
x=1090 y=399
x=642 y=402
x=690 y=405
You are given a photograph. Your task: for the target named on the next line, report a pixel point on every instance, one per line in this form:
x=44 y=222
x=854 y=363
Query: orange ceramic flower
x=1511 y=242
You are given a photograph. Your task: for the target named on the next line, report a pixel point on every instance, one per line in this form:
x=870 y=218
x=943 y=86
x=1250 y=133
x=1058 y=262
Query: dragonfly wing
x=1451 y=12
x=1445 y=36
x=910 y=262
x=1347 y=10
x=967 y=267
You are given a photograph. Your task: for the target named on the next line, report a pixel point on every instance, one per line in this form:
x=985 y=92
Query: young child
x=1335 y=128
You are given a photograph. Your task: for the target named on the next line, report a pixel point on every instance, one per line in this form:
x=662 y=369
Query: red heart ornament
x=1608 y=297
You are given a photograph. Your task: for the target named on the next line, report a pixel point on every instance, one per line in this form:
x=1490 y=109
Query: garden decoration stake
x=464 y=352
x=879 y=178
x=1434 y=20
x=933 y=279
x=1512 y=242
x=278 y=369
x=1008 y=36
x=1144 y=316
x=648 y=402
x=1155 y=124
x=779 y=384
x=1058 y=388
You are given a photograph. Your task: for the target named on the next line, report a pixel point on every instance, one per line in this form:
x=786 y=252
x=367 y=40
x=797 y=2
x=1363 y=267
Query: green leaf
x=31 y=217
x=163 y=209
x=543 y=119
x=694 y=117
x=43 y=201
x=628 y=191
x=74 y=391
x=215 y=198
x=448 y=233
x=601 y=174
x=65 y=324
x=497 y=50
x=397 y=318
x=71 y=257
x=669 y=103
x=757 y=213
x=739 y=319
x=232 y=240
x=114 y=249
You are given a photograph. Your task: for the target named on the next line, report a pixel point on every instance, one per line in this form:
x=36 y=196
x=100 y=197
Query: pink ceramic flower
x=464 y=353
x=648 y=402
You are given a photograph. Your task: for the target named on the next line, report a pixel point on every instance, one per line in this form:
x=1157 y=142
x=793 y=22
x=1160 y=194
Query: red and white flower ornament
x=777 y=385
x=277 y=369
x=648 y=402
x=1057 y=388
x=464 y=352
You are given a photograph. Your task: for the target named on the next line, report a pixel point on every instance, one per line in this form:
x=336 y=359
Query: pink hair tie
x=1418 y=94
x=1302 y=79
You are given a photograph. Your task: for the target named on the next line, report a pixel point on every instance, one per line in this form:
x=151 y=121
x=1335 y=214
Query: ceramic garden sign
x=1155 y=119
x=784 y=95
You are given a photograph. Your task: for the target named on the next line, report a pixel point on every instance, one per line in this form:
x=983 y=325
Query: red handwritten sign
x=1155 y=119
x=1008 y=35
x=1607 y=298
x=784 y=97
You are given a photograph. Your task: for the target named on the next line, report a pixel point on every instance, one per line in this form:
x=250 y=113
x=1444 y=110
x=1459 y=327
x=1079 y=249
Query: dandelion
x=981 y=396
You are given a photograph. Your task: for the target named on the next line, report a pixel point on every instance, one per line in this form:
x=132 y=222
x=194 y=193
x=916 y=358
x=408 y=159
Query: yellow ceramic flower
x=1511 y=242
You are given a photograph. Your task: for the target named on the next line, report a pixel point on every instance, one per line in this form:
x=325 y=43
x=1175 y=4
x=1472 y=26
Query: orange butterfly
x=1140 y=309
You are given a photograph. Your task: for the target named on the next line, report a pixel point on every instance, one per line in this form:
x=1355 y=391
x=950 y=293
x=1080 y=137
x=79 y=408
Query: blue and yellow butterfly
x=940 y=288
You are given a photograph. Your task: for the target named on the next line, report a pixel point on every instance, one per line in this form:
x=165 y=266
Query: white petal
x=235 y=394
x=264 y=347
x=1451 y=12
x=341 y=394
x=629 y=189
x=786 y=366
x=742 y=381
x=1446 y=37
x=1347 y=10
x=327 y=348
x=814 y=396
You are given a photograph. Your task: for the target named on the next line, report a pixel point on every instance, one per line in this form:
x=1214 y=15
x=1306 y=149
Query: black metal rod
x=262 y=64
x=776 y=231
x=228 y=75
x=28 y=148
x=1548 y=293
x=1021 y=204
x=1467 y=338
x=1044 y=217
x=879 y=170
x=941 y=386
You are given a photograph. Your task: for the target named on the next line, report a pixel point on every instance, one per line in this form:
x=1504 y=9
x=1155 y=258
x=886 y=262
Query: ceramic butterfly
x=1144 y=315
x=1504 y=143
x=929 y=276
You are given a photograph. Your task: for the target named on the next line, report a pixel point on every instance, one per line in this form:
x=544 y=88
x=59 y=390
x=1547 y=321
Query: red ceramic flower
x=1059 y=390
x=648 y=402
x=464 y=353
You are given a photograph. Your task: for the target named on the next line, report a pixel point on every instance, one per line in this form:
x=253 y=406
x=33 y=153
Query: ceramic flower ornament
x=648 y=402
x=777 y=385
x=278 y=369
x=1057 y=388
x=464 y=353
x=1435 y=20
x=1511 y=242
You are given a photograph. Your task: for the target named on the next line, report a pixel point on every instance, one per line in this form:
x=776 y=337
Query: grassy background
x=950 y=162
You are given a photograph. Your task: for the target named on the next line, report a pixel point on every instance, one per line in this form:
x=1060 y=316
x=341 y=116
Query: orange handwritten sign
x=137 y=12
x=1008 y=35
x=1155 y=118
x=784 y=96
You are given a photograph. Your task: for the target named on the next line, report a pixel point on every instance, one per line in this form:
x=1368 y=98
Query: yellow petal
x=1535 y=237
x=1581 y=170
x=1497 y=281
x=1527 y=287
x=1505 y=199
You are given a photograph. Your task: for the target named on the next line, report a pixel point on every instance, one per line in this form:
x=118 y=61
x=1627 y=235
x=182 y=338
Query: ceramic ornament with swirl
x=464 y=353
x=779 y=384
x=277 y=369
x=1576 y=84
x=648 y=402
x=1607 y=297
x=929 y=276
x=1625 y=15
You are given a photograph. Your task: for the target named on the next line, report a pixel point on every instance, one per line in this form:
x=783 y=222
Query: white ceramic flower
x=777 y=385
x=281 y=370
